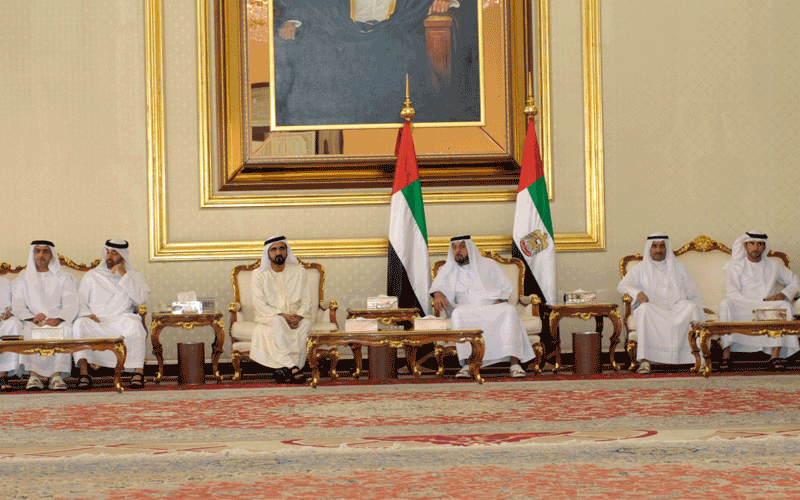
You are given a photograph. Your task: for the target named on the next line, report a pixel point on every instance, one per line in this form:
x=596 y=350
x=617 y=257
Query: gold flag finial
x=530 y=108
x=408 y=112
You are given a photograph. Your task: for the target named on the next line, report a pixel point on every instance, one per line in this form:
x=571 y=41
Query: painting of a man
x=345 y=62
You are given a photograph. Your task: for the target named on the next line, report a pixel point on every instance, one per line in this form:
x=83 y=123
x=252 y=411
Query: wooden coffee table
x=704 y=330
x=409 y=340
x=49 y=347
x=585 y=312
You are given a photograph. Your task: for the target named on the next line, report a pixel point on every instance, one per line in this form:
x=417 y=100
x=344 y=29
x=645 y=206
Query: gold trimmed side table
x=410 y=340
x=704 y=330
x=49 y=347
x=586 y=312
x=187 y=322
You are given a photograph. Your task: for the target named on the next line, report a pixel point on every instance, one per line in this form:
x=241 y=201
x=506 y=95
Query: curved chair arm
x=142 y=311
x=233 y=308
x=627 y=300
x=534 y=301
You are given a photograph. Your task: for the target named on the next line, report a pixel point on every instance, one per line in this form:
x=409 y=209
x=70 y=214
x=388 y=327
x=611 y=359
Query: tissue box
x=382 y=303
x=47 y=333
x=580 y=297
x=769 y=315
x=209 y=304
x=192 y=306
x=361 y=325
x=430 y=324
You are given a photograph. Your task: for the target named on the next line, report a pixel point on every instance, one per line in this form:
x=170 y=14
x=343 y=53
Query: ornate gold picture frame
x=484 y=154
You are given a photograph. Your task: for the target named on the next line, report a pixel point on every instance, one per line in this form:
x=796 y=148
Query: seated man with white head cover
x=282 y=300
x=109 y=295
x=666 y=300
x=478 y=290
x=45 y=295
x=750 y=283
x=9 y=325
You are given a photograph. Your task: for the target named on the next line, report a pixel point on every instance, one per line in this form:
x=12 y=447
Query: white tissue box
x=361 y=325
x=382 y=303
x=430 y=324
x=192 y=306
x=769 y=315
x=580 y=297
x=47 y=333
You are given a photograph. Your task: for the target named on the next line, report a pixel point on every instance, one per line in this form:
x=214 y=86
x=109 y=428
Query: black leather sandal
x=4 y=385
x=726 y=365
x=84 y=383
x=282 y=375
x=137 y=381
x=297 y=377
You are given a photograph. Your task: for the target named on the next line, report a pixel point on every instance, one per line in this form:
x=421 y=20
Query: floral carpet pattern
x=647 y=437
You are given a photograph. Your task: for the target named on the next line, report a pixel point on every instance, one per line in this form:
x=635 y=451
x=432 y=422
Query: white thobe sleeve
x=85 y=296
x=69 y=299
x=631 y=284
x=733 y=284
x=134 y=285
x=305 y=296
x=789 y=280
x=689 y=288
x=19 y=307
x=500 y=282
x=264 y=310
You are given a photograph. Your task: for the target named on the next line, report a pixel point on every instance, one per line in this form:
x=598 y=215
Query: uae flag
x=533 y=229
x=409 y=267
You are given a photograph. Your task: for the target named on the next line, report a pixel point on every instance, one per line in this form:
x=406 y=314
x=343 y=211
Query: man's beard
x=42 y=265
x=110 y=263
x=462 y=260
x=278 y=260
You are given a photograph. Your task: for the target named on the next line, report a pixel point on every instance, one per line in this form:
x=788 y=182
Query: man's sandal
x=726 y=365
x=4 y=385
x=84 y=383
x=137 y=381
x=296 y=376
x=777 y=364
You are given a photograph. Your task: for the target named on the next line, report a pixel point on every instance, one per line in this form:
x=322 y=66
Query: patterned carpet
x=651 y=437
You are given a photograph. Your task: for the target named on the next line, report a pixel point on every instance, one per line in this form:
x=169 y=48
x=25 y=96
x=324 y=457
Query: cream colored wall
x=700 y=120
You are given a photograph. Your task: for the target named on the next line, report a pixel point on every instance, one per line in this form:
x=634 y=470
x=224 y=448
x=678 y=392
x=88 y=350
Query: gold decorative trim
x=163 y=250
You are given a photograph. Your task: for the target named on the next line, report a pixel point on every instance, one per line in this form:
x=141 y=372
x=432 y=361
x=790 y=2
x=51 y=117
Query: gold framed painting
x=479 y=144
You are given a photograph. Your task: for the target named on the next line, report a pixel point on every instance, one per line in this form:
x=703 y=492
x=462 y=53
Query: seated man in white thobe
x=45 y=295
x=666 y=300
x=478 y=290
x=751 y=280
x=9 y=325
x=109 y=296
x=282 y=300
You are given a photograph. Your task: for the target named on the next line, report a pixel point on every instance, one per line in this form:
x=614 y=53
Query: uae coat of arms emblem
x=533 y=243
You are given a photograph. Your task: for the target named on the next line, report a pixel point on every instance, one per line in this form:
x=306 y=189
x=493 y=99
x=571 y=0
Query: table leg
x=313 y=362
x=555 y=317
x=693 y=334
x=158 y=351
x=356 y=348
x=616 y=320
x=411 y=359
x=705 y=345
x=476 y=358
x=121 y=352
x=216 y=349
